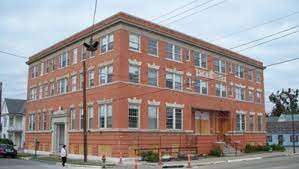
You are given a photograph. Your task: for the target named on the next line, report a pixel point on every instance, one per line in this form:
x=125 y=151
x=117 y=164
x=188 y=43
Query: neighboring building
x=13 y=121
x=280 y=130
x=148 y=86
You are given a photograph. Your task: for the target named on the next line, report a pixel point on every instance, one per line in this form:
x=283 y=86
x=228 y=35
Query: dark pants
x=63 y=161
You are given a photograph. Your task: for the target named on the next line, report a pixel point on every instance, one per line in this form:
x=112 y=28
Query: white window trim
x=153 y=102
x=134 y=100
x=242 y=113
x=138 y=127
x=174 y=118
x=175 y=105
x=139 y=42
x=157 y=49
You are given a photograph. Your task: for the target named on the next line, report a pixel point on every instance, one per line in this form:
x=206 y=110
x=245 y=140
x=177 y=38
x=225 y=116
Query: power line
x=185 y=11
x=255 y=26
x=181 y=7
x=247 y=43
x=204 y=9
x=12 y=54
x=268 y=41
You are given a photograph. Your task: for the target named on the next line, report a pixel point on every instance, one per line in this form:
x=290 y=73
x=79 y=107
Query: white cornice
x=174 y=105
x=154 y=66
x=153 y=102
x=104 y=101
x=134 y=62
x=134 y=100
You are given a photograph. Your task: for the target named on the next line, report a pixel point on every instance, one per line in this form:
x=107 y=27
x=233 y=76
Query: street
x=287 y=162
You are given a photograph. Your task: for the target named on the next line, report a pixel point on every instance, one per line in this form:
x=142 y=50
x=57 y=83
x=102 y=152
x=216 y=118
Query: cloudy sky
x=28 y=26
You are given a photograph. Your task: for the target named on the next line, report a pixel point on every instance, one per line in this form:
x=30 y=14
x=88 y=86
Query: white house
x=280 y=130
x=13 y=121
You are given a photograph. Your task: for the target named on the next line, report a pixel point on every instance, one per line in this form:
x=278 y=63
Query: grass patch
x=19 y=155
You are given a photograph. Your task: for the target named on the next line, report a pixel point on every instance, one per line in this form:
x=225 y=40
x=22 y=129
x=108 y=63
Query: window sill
x=156 y=56
x=134 y=50
x=173 y=60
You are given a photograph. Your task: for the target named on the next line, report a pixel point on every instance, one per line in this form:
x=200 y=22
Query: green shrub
x=252 y=148
x=278 y=147
x=6 y=141
x=216 y=152
x=149 y=156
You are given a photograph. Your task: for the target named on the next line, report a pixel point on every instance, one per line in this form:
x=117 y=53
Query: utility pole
x=0 y=106
x=293 y=126
x=84 y=112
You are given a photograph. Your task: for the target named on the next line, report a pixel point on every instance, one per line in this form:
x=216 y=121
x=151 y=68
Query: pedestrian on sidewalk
x=63 y=155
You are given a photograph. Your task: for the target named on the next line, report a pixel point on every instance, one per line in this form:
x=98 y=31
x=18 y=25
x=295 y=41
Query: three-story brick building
x=148 y=86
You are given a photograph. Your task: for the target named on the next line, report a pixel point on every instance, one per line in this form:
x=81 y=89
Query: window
x=33 y=93
x=188 y=82
x=134 y=73
x=153 y=77
x=31 y=122
x=81 y=118
x=259 y=123
x=73 y=118
x=133 y=115
x=45 y=90
x=152 y=117
x=173 y=52
x=230 y=67
x=240 y=122
x=200 y=59
x=292 y=138
x=75 y=56
x=187 y=55
x=48 y=65
x=105 y=116
x=40 y=125
x=174 y=81
x=269 y=138
x=239 y=71
x=105 y=74
x=173 y=118
x=219 y=66
x=134 y=42
x=62 y=86
x=81 y=80
x=11 y=124
x=91 y=78
x=201 y=86
x=83 y=55
x=258 y=76
x=259 y=97
x=4 y=121
x=153 y=47
x=52 y=88
x=240 y=93
x=231 y=90
x=251 y=96
x=251 y=122
x=221 y=90
x=53 y=63
x=44 y=121
x=41 y=69
x=250 y=75
x=64 y=60
x=34 y=71
x=74 y=83
x=106 y=43
x=90 y=117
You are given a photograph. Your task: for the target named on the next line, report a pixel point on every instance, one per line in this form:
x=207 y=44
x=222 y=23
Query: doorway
x=280 y=139
x=202 y=122
x=59 y=136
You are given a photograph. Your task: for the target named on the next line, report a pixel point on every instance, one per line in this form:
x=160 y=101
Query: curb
x=227 y=161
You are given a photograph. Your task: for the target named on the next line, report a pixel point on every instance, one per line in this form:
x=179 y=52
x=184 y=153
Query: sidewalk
x=217 y=160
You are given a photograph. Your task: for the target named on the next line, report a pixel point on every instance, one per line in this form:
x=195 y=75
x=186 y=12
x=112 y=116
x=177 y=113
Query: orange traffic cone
x=135 y=164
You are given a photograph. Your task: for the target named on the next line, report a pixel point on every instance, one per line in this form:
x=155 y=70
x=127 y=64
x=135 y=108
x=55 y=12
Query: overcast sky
x=28 y=26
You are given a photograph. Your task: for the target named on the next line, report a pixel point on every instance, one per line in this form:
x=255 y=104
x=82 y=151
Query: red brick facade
x=217 y=123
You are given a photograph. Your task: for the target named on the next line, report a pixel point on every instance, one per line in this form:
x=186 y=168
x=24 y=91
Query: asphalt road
x=288 y=162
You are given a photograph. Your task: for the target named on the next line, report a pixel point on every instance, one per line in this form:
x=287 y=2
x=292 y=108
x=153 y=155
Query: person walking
x=63 y=155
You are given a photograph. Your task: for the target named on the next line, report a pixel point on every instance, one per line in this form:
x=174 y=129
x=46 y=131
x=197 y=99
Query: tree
x=286 y=102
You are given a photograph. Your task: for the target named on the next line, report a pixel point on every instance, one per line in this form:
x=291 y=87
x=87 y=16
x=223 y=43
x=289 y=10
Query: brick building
x=148 y=87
